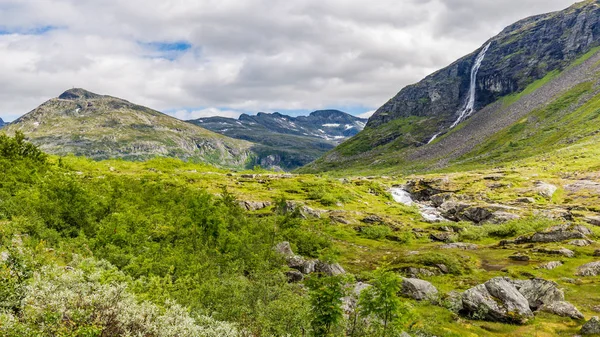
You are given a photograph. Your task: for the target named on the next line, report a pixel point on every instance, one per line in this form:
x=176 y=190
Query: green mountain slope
x=544 y=60
x=101 y=127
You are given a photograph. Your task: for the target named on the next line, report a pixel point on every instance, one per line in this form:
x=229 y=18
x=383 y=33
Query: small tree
x=381 y=301
x=326 y=300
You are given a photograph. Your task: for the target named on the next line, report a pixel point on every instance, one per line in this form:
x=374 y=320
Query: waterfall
x=469 y=106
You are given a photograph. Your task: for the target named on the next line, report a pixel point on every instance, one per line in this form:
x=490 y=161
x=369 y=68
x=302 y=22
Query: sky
x=199 y=58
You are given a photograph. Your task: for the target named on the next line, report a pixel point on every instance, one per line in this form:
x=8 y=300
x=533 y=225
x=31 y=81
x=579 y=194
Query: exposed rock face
x=306 y=266
x=460 y=245
x=545 y=190
x=497 y=300
x=562 y=308
x=443 y=237
x=551 y=265
x=592 y=327
x=418 y=289
x=560 y=233
x=581 y=243
x=539 y=292
x=254 y=205
x=350 y=302
x=555 y=251
x=590 y=269
x=592 y=220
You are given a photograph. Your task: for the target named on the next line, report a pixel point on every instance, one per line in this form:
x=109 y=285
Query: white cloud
x=367 y=114
x=245 y=55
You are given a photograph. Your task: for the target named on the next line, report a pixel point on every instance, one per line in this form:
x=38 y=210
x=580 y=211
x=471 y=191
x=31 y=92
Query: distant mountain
x=101 y=127
x=517 y=95
x=2 y=123
x=292 y=141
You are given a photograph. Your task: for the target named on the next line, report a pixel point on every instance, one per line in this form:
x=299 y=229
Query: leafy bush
x=376 y=232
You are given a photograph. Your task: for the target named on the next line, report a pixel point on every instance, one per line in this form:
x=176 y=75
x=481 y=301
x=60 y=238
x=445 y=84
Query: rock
x=551 y=265
x=497 y=300
x=545 y=190
x=460 y=245
x=4 y=256
x=452 y=210
x=519 y=257
x=592 y=220
x=526 y=200
x=350 y=302
x=592 y=327
x=502 y=217
x=582 y=229
x=372 y=219
x=559 y=234
x=439 y=199
x=562 y=308
x=476 y=214
x=581 y=242
x=596 y=308
x=329 y=269
x=539 y=292
x=590 y=269
x=443 y=237
x=443 y=268
x=339 y=219
x=418 y=289
x=313 y=213
x=555 y=251
x=414 y=272
x=248 y=176
x=597 y=252
x=294 y=276
x=284 y=248
x=254 y=205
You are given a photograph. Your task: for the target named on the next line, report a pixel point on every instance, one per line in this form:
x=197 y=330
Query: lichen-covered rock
x=590 y=269
x=254 y=205
x=558 y=234
x=497 y=300
x=551 y=265
x=294 y=276
x=443 y=237
x=284 y=248
x=546 y=190
x=460 y=245
x=591 y=327
x=418 y=289
x=581 y=242
x=562 y=308
x=555 y=251
x=502 y=217
x=329 y=269
x=539 y=292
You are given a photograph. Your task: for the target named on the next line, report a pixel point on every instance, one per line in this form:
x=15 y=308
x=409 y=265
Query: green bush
x=376 y=232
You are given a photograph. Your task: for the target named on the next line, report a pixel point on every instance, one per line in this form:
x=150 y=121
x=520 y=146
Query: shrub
x=376 y=232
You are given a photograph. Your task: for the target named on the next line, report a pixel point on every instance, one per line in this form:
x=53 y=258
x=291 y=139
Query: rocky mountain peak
x=77 y=94
x=1 y=123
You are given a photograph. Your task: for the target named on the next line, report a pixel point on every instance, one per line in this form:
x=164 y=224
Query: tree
x=381 y=301
x=326 y=300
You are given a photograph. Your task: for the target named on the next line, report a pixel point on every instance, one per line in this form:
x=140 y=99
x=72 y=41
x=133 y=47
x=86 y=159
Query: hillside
x=536 y=77
x=291 y=141
x=102 y=127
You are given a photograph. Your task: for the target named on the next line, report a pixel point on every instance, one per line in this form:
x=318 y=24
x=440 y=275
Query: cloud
x=367 y=114
x=208 y=112
x=239 y=55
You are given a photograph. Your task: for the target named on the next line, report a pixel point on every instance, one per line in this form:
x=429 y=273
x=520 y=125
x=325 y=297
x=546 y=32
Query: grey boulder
x=418 y=289
x=590 y=269
x=563 y=309
x=592 y=327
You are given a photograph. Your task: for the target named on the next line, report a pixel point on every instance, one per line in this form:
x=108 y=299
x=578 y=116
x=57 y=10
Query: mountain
x=2 y=123
x=101 y=127
x=527 y=90
x=290 y=142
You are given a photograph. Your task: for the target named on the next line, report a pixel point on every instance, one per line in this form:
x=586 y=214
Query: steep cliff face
x=524 y=52
x=102 y=127
x=531 y=64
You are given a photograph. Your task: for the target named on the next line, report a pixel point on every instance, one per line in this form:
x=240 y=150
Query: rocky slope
x=290 y=142
x=528 y=65
x=2 y=123
x=101 y=127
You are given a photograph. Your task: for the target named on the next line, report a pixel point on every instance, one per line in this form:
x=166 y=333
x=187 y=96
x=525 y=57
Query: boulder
x=539 y=292
x=460 y=245
x=443 y=237
x=592 y=327
x=546 y=190
x=590 y=269
x=414 y=272
x=350 y=302
x=439 y=199
x=497 y=300
x=502 y=217
x=560 y=233
x=453 y=210
x=476 y=214
x=555 y=251
x=329 y=269
x=294 y=276
x=372 y=219
x=562 y=308
x=527 y=200
x=581 y=242
x=519 y=257
x=284 y=248
x=597 y=252
x=551 y=265
x=418 y=289
x=254 y=205
x=592 y=220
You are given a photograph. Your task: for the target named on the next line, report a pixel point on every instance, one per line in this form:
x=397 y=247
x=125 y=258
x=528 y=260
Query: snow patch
x=331 y=125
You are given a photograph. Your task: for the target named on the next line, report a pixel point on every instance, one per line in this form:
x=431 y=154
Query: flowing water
x=469 y=107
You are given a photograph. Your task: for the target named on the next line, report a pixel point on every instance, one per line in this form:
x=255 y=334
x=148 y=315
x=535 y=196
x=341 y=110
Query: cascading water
x=469 y=107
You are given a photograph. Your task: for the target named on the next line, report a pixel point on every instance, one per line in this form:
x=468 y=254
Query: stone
x=476 y=214
x=539 y=292
x=589 y=269
x=591 y=327
x=597 y=252
x=372 y=219
x=559 y=234
x=350 y=302
x=555 y=251
x=562 y=308
x=581 y=242
x=284 y=248
x=418 y=289
x=294 y=276
x=592 y=220
x=439 y=199
x=551 y=265
x=546 y=190
x=414 y=272
x=254 y=205
x=526 y=200
x=443 y=237
x=519 y=257
x=497 y=300
x=460 y=245
x=502 y=217
x=329 y=269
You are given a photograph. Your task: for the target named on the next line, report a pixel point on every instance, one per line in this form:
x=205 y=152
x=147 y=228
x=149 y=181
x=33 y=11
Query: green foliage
x=326 y=302
x=376 y=232
x=15 y=148
x=382 y=304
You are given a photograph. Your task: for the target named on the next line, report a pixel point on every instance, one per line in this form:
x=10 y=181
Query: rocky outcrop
x=546 y=190
x=418 y=289
x=254 y=205
x=555 y=251
x=460 y=245
x=553 y=234
x=306 y=266
x=497 y=300
x=591 y=327
x=551 y=265
x=589 y=269
x=539 y=292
